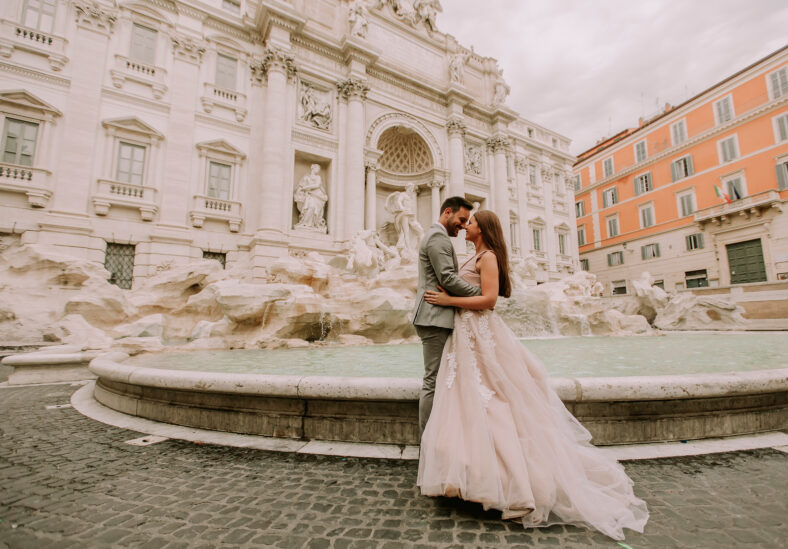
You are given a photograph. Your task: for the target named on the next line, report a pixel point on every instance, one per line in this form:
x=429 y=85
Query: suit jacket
x=438 y=266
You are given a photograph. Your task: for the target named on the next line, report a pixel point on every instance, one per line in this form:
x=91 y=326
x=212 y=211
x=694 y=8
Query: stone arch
x=393 y=119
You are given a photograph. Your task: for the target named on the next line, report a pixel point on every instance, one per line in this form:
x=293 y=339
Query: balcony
x=148 y=75
x=115 y=193
x=28 y=39
x=747 y=207
x=33 y=182
x=229 y=99
x=207 y=207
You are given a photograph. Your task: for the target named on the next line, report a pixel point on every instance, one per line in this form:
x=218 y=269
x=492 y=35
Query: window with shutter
x=646 y=216
x=681 y=168
x=581 y=236
x=607 y=167
x=143 y=44
x=782 y=175
x=735 y=188
x=728 y=149
x=679 y=132
x=584 y=264
x=19 y=142
x=782 y=127
x=578 y=183
x=723 y=110
x=580 y=209
x=641 y=152
x=649 y=251
x=687 y=203
x=694 y=241
x=612 y=226
x=643 y=184
x=779 y=83
x=615 y=258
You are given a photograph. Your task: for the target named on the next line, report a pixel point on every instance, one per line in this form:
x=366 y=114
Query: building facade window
x=728 y=149
x=612 y=226
x=646 y=215
x=678 y=132
x=694 y=241
x=216 y=256
x=681 y=168
x=581 y=236
x=514 y=233
x=219 y=180
x=19 y=142
x=615 y=258
x=143 y=44
x=537 y=239
x=618 y=287
x=39 y=14
x=778 y=83
x=119 y=261
x=232 y=5
x=580 y=208
x=226 y=72
x=649 y=251
x=782 y=174
x=696 y=279
x=531 y=133
x=686 y=202
x=641 y=151
x=131 y=163
x=659 y=284
x=584 y=264
x=723 y=110
x=643 y=184
x=607 y=167
x=562 y=243
x=578 y=183
x=781 y=128
x=609 y=197
x=735 y=187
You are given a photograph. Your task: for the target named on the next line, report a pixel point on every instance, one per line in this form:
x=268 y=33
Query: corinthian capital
x=352 y=87
x=498 y=143
x=455 y=126
x=273 y=59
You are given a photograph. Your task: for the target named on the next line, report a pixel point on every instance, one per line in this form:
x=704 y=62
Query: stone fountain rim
x=110 y=366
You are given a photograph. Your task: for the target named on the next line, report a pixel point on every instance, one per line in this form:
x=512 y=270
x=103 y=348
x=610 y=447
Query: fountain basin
x=616 y=410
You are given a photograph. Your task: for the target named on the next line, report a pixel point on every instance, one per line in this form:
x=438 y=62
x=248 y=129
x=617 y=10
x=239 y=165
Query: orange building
x=697 y=194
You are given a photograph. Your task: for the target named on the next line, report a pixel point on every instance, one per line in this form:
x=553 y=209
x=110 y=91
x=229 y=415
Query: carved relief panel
x=473 y=158
x=315 y=106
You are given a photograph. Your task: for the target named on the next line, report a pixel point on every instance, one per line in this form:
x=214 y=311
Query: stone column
x=500 y=184
x=276 y=64
x=370 y=197
x=355 y=90
x=435 y=198
x=456 y=130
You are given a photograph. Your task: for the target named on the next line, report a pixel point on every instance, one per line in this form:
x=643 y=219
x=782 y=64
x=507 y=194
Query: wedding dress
x=499 y=435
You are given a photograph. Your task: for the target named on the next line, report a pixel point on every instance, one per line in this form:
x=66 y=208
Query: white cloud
x=588 y=69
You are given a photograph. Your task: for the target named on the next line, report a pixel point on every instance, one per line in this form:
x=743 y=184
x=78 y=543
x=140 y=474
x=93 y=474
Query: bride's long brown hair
x=492 y=235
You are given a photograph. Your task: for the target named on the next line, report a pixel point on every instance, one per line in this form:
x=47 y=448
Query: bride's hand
x=437 y=298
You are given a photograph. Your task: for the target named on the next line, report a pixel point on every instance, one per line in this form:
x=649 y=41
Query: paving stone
x=68 y=481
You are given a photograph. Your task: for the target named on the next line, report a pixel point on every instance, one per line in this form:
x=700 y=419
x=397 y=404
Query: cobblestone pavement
x=69 y=481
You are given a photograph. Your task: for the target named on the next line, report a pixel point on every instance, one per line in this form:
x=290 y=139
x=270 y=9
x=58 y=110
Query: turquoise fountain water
x=599 y=356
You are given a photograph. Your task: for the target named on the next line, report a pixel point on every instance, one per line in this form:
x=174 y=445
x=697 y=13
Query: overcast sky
x=590 y=68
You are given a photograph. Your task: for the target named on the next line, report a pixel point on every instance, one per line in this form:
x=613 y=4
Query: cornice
x=235 y=31
x=240 y=129
x=127 y=98
x=305 y=137
x=689 y=143
x=36 y=74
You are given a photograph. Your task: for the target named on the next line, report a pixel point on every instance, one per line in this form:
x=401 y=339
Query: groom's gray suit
x=437 y=266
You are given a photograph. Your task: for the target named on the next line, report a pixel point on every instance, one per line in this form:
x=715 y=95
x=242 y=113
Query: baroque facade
x=169 y=130
x=696 y=195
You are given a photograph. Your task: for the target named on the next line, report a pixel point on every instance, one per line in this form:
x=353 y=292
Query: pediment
x=132 y=125
x=221 y=146
x=562 y=227
x=536 y=221
x=25 y=100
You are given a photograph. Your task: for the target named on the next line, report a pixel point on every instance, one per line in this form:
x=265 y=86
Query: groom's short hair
x=455 y=203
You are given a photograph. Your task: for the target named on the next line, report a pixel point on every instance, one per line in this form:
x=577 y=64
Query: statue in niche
x=310 y=198
x=427 y=11
x=473 y=160
x=314 y=109
x=501 y=89
x=402 y=205
x=358 y=17
x=457 y=63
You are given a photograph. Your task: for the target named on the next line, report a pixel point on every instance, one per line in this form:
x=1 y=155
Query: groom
x=438 y=266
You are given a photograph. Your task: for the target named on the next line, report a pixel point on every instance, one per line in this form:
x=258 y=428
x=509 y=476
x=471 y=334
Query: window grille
x=218 y=256
x=119 y=261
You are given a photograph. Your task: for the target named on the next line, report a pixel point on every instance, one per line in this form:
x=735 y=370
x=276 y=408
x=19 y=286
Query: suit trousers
x=433 y=339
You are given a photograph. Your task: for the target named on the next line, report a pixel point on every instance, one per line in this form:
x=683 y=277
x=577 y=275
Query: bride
x=498 y=433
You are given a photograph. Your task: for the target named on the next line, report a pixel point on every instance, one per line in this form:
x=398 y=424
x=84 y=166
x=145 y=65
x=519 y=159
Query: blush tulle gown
x=499 y=435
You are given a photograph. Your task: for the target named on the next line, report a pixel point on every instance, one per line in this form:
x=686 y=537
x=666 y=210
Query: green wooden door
x=745 y=260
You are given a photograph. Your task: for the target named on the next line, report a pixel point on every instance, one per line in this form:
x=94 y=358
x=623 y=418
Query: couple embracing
x=492 y=429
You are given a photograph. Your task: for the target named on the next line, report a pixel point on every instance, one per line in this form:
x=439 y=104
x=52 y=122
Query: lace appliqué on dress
x=463 y=331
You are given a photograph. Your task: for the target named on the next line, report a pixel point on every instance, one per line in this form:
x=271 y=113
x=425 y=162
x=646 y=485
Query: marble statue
x=402 y=205
x=314 y=109
x=501 y=89
x=427 y=11
x=310 y=198
x=367 y=254
x=457 y=63
x=358 y=17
